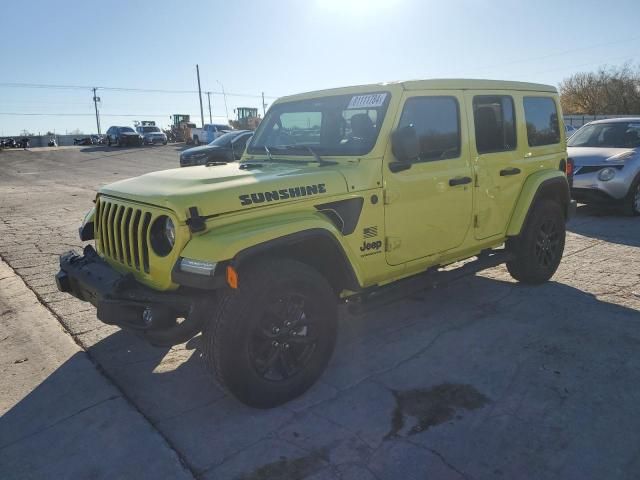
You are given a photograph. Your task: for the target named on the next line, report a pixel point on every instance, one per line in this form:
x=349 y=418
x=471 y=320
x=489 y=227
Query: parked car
x=606 y=163
x=227 y=148
x=83 y=141
x=9 y=143
x=570 y=130
x=151 y=134
x=208 y=133
x=123 y=136
x=344 y=195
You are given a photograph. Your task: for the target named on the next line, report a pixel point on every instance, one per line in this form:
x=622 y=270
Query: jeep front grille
x=122 y=233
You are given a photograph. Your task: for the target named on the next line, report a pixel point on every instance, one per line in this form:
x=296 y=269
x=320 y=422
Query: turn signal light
x=232 y=277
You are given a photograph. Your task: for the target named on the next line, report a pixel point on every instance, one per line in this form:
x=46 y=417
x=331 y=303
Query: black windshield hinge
x=195 y=221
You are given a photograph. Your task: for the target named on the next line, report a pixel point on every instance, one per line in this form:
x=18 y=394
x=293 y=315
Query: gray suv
x=606 y=163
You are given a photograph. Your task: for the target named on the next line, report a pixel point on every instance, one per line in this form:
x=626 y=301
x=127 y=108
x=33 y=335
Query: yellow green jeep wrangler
x=354 y=195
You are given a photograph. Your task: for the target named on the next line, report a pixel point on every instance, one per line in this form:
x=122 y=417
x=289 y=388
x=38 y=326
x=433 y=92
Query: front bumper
x=588 y=188
x=152 y=140
x=121 y=300
x=130 y=140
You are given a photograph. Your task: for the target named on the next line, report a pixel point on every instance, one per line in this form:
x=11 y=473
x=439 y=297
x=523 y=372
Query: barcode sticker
x=367 y=101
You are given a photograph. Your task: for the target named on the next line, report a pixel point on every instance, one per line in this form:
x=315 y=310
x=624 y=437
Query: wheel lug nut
x=275 y=344
x=285 y=346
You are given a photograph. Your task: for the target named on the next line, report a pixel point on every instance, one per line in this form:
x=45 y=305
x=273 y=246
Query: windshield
x=337 y=125
x=225 y=140
x=612 y=135
x=150 y=129
x=126 y=129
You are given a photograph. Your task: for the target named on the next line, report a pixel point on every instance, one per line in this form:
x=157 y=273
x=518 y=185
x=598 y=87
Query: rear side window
x=541 y=116
x=437 y=123
x=494 y=120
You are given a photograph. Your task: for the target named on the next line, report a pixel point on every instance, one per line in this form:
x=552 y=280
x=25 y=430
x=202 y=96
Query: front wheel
x=271 y=338
x=537 y=251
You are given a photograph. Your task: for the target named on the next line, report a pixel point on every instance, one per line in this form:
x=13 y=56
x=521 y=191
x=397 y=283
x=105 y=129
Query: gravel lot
x=481 y=379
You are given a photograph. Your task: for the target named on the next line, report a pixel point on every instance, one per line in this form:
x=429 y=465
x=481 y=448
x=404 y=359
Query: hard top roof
x=430 y=84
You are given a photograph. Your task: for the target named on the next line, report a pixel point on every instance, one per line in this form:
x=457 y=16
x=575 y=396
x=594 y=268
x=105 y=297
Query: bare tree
x=607 y=91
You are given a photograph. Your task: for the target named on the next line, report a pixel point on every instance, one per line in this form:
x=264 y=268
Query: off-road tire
x=243 y=318
x=631 y=203
x=537 y=251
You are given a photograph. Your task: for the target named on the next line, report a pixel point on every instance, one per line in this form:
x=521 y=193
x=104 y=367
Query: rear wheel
x=632 y=200
x=538 y=250
x=271 y=338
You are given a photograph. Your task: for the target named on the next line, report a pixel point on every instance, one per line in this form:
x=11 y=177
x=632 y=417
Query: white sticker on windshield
x=367 y=101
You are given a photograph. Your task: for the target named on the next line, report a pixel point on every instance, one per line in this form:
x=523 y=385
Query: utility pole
x=209 y=100
x=264 y=106
x=200 y=96
x=224 y=95
x=95 y=104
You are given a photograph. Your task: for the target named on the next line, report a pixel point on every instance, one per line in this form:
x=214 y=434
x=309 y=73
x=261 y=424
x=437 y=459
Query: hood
x=202 y=149
x=588 y=156
x=228 y=188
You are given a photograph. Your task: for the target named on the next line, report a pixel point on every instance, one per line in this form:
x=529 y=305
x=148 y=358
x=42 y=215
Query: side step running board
x=376 y=297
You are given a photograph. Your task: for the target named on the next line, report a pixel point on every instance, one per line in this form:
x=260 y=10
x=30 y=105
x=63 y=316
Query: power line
x=555 y=54
x=83 y=114
x=120 y=89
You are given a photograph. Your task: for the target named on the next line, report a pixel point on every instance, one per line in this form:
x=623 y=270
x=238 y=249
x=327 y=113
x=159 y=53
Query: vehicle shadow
x=606 y=223
x=552 y=345
x=107 y=148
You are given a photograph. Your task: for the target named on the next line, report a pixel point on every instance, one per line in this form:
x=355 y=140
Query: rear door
x=428 y=207
x=498 y=158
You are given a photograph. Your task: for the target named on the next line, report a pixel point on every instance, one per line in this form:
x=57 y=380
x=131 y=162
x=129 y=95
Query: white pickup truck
x=208 y=133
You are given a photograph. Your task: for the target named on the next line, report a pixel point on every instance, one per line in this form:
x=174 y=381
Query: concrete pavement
x=481 y=379
x=59 y=416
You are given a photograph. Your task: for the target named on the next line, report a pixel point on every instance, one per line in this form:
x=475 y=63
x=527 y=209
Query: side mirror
x=405 y=144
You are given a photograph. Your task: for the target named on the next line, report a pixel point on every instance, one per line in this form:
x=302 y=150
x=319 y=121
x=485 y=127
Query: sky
x=281 y=47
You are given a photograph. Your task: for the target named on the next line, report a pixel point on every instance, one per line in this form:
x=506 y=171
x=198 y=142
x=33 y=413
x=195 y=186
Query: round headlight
x=606 y=174
x=163 y=236
x=170 y=231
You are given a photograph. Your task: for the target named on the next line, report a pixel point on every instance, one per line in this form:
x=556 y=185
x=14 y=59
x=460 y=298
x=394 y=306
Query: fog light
x=197 y=266
x=606 y=174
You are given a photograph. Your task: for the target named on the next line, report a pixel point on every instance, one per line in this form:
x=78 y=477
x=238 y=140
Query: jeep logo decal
x=282 y=194
x=371 y=245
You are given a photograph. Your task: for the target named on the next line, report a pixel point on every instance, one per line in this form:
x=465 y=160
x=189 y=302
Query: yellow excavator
x=248 y=118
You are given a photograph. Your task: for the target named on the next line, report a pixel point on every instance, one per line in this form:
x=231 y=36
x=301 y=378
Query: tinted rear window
x=495 y=126
x=541 y=116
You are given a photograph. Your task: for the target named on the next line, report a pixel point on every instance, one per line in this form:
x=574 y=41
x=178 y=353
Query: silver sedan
x=606 y=163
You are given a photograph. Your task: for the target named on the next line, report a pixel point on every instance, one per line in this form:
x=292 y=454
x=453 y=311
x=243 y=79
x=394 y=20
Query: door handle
x=509 y=171
x=459 y=181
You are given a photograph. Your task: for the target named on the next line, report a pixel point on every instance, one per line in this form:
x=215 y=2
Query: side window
x=541 y=116
x=494 y=120
x=437 y=123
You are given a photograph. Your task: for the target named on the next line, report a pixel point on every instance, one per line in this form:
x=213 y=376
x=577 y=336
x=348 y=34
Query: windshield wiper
x=266 y=149
x=321 y=161
x=318 y=158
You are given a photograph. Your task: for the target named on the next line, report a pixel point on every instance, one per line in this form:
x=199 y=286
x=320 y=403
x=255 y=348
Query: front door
x=428 y=207
x=498 y=159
